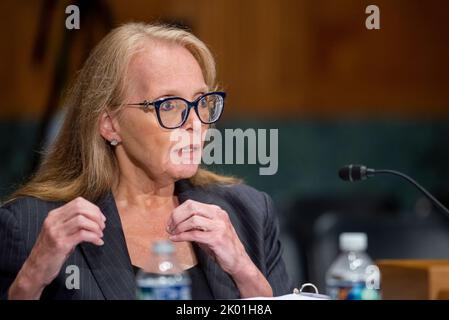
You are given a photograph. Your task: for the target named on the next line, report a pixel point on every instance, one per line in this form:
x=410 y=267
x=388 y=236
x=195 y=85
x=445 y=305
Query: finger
x=85 y=236
x=195 y=222
x=191 y=236
x=81 y=222
x=84 y=207
x=187 y=209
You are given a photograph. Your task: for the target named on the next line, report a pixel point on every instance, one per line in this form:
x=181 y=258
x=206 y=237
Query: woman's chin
x=184 y=171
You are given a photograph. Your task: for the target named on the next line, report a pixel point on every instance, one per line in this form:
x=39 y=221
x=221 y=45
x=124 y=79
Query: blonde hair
x=80 y=162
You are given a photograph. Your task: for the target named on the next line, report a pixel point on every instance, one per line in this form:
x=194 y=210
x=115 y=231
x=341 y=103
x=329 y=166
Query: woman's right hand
x=64 y=228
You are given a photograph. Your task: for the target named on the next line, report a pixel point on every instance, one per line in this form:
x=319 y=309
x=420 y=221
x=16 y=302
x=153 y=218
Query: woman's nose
x=192 y=121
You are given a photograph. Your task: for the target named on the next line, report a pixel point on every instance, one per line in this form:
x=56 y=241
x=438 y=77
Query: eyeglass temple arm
x=145 y=105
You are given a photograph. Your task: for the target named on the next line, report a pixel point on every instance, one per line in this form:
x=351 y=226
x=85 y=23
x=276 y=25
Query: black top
x=200 y=286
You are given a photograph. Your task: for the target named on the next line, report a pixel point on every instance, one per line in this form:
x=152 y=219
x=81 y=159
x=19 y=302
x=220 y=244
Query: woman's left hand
x=210 y=227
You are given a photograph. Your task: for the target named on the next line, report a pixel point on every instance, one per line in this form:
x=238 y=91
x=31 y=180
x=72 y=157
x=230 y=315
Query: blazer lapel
x=110 y=264
x=220 y=283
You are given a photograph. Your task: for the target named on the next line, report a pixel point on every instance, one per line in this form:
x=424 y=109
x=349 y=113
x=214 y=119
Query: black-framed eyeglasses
x=173 y=112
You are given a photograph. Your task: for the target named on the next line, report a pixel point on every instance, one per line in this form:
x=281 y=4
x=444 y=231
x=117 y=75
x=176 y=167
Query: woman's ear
x=109 y=128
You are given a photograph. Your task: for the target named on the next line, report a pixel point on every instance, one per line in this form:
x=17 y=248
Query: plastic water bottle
x=163 y=279
x=353 y=276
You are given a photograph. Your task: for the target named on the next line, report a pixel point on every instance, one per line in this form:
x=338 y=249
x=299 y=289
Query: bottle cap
x=163 y=247
x=353 y=241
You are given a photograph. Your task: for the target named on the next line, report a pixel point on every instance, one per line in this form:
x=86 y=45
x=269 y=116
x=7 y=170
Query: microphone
x=355 y=172
x=359 y=172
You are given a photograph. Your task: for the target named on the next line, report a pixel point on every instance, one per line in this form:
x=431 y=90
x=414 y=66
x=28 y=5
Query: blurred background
x=337 y=92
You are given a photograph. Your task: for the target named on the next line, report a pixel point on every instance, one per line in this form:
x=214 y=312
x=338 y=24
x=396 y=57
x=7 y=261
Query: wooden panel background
x=281 y=58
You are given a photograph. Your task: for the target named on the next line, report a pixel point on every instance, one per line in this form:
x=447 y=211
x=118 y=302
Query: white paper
x=293 y=296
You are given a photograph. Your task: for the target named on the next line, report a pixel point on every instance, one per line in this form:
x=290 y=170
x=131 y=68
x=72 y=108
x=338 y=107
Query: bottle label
x=176 y=292
x=347 y=290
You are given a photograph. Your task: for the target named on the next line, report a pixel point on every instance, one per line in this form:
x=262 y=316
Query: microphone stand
x=417 y=185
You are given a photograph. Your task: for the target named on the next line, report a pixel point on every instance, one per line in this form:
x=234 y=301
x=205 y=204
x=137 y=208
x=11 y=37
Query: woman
x=109 y=187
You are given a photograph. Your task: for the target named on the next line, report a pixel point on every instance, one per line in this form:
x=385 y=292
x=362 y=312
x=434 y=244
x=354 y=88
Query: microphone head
x=353 y=172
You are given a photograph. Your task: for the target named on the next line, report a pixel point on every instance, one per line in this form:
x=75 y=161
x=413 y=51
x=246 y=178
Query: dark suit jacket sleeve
x=12 y=252
x=276 y=272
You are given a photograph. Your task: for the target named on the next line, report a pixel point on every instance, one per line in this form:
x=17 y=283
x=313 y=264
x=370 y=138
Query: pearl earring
x=114 y=142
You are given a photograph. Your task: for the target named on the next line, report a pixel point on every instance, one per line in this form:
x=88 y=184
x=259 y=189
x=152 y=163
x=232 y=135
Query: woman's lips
x=188 y=149
x=189 y=153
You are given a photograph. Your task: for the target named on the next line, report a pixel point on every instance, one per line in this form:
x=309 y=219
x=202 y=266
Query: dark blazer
x=106 y=271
